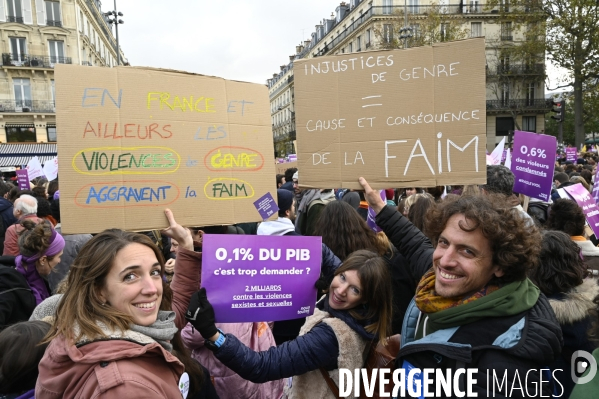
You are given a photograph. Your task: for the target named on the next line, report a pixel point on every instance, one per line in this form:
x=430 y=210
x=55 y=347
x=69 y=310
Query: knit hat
x=390 y=193
x=284 y=200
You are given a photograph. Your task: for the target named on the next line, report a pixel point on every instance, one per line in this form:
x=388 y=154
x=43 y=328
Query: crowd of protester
x=470 y=276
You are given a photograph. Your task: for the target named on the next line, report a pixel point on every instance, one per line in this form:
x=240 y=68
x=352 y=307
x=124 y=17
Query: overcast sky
x=240 y=40
x=233 y=39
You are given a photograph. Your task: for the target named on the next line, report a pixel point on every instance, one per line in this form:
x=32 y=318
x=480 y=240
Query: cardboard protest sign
x=532 y=164
x=282 y=167
x=399 y=118
x=34 y=168
x=571 y=154
x=258 y=278
x=23 y=179
x=584 y=199
x=51 y=169
x=138 y=140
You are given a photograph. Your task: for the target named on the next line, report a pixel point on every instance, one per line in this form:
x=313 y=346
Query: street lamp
x=115 y=21
x=406 y=30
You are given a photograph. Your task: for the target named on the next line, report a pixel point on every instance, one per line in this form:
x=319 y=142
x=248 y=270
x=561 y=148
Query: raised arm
x=407 y=238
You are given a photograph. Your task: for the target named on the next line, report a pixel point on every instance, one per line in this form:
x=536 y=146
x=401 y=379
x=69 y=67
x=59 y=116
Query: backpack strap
x=14 y=289
x=332 y=386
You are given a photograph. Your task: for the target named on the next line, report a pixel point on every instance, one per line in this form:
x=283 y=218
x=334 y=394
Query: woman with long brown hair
x=344 y=232
x=116 y=330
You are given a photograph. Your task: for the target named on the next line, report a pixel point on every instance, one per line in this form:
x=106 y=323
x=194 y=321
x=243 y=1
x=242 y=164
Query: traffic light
x=559 y=107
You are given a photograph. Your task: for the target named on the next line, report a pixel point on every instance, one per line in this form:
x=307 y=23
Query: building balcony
x=42 y=106
x=539 y=105
x=507 y=38
x=12 y=18
x=290 y=136
x=49 y=22
x=32 y=61
x=516 y=70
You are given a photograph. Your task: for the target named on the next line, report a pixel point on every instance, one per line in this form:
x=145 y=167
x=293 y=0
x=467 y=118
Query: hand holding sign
x=178 y=232
x=372 y=196
x=200 y=314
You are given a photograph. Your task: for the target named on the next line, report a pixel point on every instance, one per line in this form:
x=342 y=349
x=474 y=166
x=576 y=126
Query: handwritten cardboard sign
x=533 y=164
x=282 y=167
x=138 y=140
x=400 y=118
x=253 y=279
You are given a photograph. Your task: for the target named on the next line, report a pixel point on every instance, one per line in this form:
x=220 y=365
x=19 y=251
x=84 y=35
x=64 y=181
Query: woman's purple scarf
x=34 y=279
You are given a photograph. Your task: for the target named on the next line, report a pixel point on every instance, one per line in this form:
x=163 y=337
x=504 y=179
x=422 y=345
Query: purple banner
x=533 y=164
x=571 y=154
x=587 y=203
x=23 y=179
x=596 y=187
x=292 y=157
x=258 y=278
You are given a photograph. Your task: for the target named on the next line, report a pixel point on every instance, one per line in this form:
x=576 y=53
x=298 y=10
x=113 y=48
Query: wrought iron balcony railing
x=12 y=18
x=50 y=22
x=35 y=61
x=517 y=104
x=531 y=69
x=27 y=106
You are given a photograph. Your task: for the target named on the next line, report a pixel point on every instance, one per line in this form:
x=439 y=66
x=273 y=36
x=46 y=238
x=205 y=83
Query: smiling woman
x=115 y=329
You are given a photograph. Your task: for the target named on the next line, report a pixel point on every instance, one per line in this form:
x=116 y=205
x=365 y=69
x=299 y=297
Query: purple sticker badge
x=571 y=154
x=258 y=278
x=23 y=179
x=533 y=164
x=587 y=203
x=266 y=206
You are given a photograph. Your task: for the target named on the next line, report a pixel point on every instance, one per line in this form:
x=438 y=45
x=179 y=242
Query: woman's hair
x=344 y=231
x=515 y=242
x=436 y=192
x=471 y=189
x=587 y=175
x=39 y=192
x=375 y=282
x=419 y=209
x=20 y=354
x=81 y=303
x=566 y=216
x=581 y=180
x=35 y=238
x=52 y=188
x=560 y=266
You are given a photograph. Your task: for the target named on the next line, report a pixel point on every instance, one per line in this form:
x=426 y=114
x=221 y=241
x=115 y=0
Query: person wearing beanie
x=283 y=226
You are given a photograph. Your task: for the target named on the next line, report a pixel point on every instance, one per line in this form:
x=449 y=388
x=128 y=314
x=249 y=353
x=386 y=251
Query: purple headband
x=56 y=245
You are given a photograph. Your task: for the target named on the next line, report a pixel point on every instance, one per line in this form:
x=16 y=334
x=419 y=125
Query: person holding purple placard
x=355 y=312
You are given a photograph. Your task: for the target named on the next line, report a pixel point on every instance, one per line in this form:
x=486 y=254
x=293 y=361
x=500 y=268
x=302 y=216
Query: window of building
x=53 y=13
x=15 y=11
x=53 y=91
x=56 y=52
x=529 y=124
x=368 y=37
x=504 y=125
x=51 y=133
x=359 y=43
x=506 y=31
x=351 y=48
x=388 y=33
x=18 y=134
x=474 y=6
x=476 y=29
x=504 y=5
x=505 y=93
x=18 y=50
x=81 y=22
x=530 y=93
x=416 y=33
x=22 y=89
x=387 y=6
x=444 y=32
x=413 y=6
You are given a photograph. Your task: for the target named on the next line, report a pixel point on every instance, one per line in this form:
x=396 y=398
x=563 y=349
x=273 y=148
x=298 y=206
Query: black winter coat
x=16 y=298
x=8 y=219
x=317 y=348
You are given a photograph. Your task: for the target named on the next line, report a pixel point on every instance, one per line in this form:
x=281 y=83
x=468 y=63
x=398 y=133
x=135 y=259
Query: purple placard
x=533 y=164
x=371 y=217
x=23 y=179
x=245 y=283
x=292 y=157
x=571 y=154
x=596 y=187
x=266 y=206
x=588 y=205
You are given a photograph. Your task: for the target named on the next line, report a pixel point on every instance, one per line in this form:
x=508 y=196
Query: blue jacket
x=318 y=348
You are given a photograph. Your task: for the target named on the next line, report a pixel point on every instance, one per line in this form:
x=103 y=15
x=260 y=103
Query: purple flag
x=261 y=278
x=588 y=205
x=371 y=217
x=23 y=179
x=533 y=164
